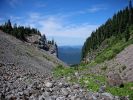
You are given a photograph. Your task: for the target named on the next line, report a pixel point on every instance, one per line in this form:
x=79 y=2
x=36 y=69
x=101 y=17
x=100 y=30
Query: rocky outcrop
x=42 y=43
x=33 y=38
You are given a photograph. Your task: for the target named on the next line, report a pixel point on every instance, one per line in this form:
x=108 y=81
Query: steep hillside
x=122 y=64
x=22 y=54
x=117 y=29
x=30 y=35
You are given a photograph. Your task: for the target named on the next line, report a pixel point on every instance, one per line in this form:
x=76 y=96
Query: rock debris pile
x=17 y=83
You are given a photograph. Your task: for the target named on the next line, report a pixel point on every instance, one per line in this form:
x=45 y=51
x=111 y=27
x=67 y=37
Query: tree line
x=117 y=26
x=19 y=32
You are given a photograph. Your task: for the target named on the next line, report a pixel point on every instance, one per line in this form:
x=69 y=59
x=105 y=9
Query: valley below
x=70 y=54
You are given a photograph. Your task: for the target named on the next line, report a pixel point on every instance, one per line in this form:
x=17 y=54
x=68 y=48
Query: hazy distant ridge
x=69 y=54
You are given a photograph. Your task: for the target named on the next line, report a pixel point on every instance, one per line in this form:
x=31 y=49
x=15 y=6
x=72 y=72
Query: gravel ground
x=17 y=83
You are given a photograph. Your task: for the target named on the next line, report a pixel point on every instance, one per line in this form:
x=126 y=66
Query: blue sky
x=68 y=22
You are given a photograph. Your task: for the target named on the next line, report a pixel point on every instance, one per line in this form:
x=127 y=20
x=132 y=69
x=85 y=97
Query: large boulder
x=114 y=79
x=33 y=38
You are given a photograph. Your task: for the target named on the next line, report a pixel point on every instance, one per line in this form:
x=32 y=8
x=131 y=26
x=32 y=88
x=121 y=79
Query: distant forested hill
x=70 y=55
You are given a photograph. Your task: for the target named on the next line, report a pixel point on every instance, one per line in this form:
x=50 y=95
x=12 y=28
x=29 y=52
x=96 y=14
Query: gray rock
x=92 y=97
x=78 y=98
x=42 y=89
x=76 y=86
x=41 y=97
x=60 y=98
x=65 y=85
x=20 y=93
x=60 y=84
x=11 y=97
x=73 y=97
x=32 y=97
x=7 y=89
x=48 y=84
x=64 y=91
x=114 y=79
x=107 y=96
x=46 y=93
x=102 y=89
x=48 y=98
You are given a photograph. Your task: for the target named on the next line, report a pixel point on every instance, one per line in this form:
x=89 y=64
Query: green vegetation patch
x=60 y=71
x=92 y=82
x=127 y=90
x=112 y=50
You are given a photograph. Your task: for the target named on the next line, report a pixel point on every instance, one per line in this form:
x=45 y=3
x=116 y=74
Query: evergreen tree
x=43 y=39
x=8 y=27
x=19 y=32
x=127 y=34
x=52 y=42
x=56 y=47
x=130 y=12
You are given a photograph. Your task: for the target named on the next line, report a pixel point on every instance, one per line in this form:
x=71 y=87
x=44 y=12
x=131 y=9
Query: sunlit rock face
x=42 y=43
x=33 y=38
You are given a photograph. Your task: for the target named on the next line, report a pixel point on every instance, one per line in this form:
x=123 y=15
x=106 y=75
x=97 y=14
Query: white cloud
x=14 y=3
x=52 y=28
x=59 y=28
x=34 y=16
x=93 y=9
x=15 y=18
x=96 y=9
x=56 y=27
x=73 y=35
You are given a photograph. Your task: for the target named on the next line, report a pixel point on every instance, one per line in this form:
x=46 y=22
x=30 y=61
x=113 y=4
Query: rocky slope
x=14 y=51
x=17 y=83
x=123 y=64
